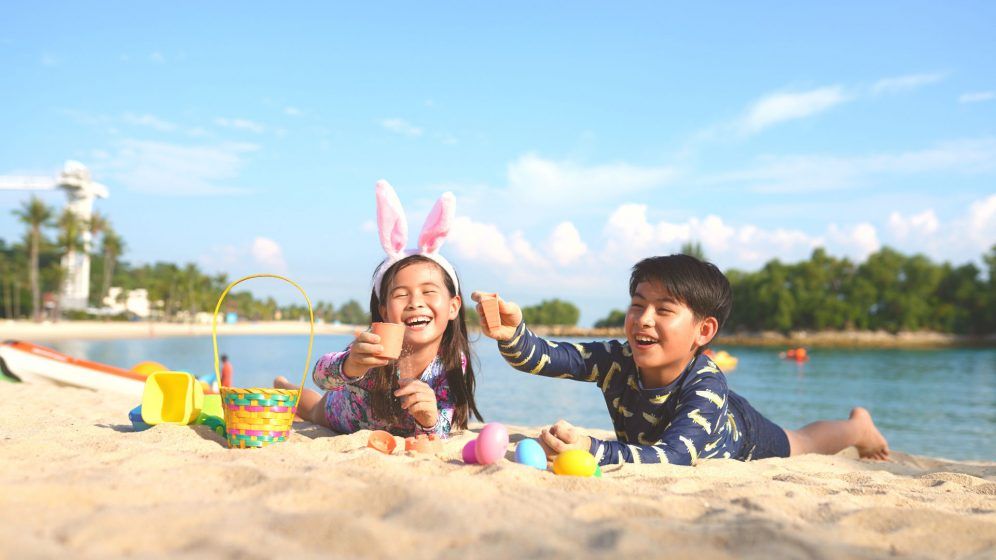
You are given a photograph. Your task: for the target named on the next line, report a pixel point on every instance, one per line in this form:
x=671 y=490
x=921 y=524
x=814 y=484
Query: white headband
x=393 y=229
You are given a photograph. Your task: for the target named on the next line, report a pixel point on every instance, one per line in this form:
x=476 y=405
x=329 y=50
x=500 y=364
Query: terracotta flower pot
x=382 y=441
x=391 y=336
x=489 y=303
x=424 y=444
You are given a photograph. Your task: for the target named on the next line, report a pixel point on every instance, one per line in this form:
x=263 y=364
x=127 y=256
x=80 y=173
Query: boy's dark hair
x=453 y=349
x=698 y=284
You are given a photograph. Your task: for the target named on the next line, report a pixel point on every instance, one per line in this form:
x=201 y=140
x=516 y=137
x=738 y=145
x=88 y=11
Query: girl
x=430 y=388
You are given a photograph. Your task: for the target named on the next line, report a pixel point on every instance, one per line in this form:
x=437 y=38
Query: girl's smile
x=419 y=299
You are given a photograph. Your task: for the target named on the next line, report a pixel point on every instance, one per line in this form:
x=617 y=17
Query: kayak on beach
x=31 y=363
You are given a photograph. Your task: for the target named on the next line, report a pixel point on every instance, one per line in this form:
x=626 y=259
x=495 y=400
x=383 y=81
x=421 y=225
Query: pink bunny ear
x=437 y=225
x=391 y=222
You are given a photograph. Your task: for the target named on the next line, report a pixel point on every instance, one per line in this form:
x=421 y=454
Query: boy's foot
x=282 y=382
x=872 y=444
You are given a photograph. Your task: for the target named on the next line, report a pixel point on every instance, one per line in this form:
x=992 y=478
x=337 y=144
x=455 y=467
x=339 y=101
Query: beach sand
x=75 y=481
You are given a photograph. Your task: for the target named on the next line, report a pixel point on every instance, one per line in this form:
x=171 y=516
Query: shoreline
x=808 y=339
x=102 y=330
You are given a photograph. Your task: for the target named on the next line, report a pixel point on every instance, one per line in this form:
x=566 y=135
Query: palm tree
x=36 y=215
x=112 y=246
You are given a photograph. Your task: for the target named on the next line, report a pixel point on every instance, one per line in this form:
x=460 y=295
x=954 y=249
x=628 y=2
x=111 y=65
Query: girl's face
x=419 y=299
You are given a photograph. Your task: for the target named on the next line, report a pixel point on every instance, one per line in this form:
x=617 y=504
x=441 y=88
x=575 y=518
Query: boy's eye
x=636 y=306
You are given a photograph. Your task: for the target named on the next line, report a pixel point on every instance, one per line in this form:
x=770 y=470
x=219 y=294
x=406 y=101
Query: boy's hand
x=419 y=400
x=560 y=437
x=363 y=354
x=509 y=313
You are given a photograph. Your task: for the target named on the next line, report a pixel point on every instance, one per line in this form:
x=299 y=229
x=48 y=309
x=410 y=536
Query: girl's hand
x=419 y=400
x=560 y=437
x=363 y=354
x=509 y=313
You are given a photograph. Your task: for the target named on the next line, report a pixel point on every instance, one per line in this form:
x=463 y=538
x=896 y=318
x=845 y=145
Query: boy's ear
x=707 y=330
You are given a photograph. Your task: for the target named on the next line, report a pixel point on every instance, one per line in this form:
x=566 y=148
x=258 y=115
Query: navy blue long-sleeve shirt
x=688 y=420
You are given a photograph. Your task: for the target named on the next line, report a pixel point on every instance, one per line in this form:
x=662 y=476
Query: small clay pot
x=391 y=336
x=424 y=444
x=489 y=303
x=382 y=441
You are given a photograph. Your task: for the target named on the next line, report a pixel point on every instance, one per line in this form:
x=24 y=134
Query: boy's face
x=662 y=331
x=419 y=299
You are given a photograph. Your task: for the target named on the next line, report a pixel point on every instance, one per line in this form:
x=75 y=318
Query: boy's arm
x=588 y=361
x=695 y=433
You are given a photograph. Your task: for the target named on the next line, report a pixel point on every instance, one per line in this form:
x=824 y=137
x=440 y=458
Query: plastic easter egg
x=575 y=462
x=529 y=452
x=598 y=472
x=470 y=452
x=491 y=444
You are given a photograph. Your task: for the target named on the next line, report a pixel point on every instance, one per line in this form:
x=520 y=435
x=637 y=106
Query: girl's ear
x=455 y=303
x=437 y=225
x=391 y=222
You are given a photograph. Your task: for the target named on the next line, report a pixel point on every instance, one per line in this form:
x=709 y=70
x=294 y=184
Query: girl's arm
x=328 y=370
x=698 y=431
x=586 y=361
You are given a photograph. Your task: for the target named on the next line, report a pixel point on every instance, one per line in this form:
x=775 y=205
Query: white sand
x=76 y=482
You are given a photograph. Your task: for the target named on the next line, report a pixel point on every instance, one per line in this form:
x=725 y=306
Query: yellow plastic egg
x=575 y=462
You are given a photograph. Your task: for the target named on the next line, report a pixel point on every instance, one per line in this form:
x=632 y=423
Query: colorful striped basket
x=259 y=416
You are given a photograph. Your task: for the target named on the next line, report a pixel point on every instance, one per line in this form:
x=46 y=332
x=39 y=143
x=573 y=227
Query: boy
x=669 y=403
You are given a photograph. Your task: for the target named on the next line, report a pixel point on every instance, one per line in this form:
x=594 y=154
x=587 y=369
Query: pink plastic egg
x=491 y=443
x=470 y=452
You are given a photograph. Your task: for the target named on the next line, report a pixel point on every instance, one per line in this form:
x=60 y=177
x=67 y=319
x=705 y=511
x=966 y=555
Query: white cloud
x=977 y=96
x=268 y=254
x=539 y=180
x=565 y=244
x=981 y=223
x=857 y=241
x=795 y=174
x=292 y=112
x=369 y=226
x=899 y=84
x=171 y=169
x=49 y=60
x=150 y=121
x=240 y=124
x=401 y=126
x=157 y=57
x=780 y=107
x=919 y=225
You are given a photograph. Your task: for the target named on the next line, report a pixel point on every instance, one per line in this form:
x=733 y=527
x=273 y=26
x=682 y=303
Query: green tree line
x=889 y=291
x=33 y=266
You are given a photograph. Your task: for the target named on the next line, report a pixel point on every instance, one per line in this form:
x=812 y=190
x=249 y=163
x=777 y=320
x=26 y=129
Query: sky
x=577 y=138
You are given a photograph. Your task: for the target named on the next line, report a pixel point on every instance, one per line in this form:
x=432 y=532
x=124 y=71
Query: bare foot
x=872 y=444
x=282 y=382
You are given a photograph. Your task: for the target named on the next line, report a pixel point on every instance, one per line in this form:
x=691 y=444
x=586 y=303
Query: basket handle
x=311 y=316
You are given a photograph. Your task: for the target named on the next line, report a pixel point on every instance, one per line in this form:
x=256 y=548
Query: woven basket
x=259 y=416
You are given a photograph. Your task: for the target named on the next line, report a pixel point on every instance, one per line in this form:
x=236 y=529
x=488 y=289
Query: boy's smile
x=663 y=334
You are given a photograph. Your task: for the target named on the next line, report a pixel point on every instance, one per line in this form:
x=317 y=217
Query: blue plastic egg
x=529 y=452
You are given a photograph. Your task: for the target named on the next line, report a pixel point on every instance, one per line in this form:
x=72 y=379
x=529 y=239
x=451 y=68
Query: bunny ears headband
x=393 y=228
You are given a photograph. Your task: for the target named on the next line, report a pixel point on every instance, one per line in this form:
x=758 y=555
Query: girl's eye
x=429 y=292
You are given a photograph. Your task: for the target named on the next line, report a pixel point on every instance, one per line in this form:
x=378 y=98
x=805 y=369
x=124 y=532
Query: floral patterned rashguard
x=347 y=400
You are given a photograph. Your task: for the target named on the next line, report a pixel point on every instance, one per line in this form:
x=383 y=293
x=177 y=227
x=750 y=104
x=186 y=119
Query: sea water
x=940 y=403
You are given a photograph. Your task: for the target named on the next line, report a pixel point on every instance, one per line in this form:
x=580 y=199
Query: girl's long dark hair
x=454 y=347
